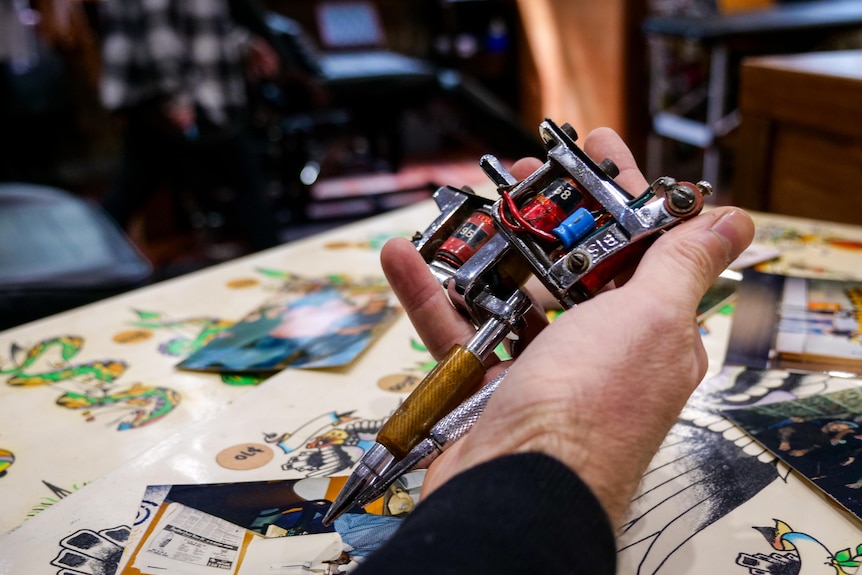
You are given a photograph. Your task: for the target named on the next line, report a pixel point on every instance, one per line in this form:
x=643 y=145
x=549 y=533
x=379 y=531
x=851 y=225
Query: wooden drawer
x=799 y=147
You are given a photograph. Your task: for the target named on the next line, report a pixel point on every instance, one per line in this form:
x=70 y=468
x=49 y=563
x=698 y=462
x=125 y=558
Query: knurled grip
x=443 y=389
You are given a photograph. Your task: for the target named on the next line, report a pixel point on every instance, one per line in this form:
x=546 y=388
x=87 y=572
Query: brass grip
x=442 y=390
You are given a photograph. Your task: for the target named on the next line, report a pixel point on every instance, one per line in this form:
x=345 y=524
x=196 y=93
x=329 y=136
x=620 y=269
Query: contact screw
x=578 y=261
x=682 y=199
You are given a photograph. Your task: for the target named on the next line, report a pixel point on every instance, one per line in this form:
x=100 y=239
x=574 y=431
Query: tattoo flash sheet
x=713 y=500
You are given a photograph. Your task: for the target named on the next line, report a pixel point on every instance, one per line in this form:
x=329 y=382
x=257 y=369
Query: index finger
x=437 y=322
x=604 y=143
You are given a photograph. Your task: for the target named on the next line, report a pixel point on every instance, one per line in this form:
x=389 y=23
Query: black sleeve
x=524 y=513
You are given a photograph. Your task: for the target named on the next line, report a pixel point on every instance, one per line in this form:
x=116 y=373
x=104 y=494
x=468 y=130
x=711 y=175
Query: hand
x=601 y=386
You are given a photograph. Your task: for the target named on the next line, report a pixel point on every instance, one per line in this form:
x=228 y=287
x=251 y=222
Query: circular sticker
x=399 y=382
x=133 y=336
x=243 y=283
x=245 y=456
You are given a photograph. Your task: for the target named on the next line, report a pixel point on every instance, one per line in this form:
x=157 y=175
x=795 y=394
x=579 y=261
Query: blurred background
x=350 y=108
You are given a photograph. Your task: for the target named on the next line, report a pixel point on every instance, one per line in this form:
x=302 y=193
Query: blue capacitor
x=575 y=227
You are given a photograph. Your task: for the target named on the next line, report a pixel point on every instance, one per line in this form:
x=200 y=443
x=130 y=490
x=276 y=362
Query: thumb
x=687 y=259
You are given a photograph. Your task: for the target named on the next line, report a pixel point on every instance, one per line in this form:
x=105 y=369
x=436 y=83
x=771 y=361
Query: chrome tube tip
x=363 y=479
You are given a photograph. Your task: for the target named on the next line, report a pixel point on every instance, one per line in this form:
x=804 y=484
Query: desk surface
x=77 y=471
x=836 y=64
x=788 y=18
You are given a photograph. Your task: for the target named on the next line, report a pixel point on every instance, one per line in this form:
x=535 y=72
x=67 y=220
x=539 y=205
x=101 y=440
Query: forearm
x=515 y=514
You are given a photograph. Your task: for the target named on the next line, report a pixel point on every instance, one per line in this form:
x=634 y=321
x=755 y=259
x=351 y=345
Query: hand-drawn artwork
x=7 y=458
x=236 y=526
x=88 y=552
x=816 y=252
x=189 y=335
x=129 y=408
x=327 y=444
x=200 y=331
x=46 y=502
x=345 y=341
x=797 y=552
x=797 y=323
x=25 y=362
x=195 y=332
x=192 y=333
x=98 y=552
x=820 y=437
x=324 y=328
x=137 y=406
x=148 y=506
x=685 y=490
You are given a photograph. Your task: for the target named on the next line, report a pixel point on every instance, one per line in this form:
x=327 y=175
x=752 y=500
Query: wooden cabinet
x=800 y=142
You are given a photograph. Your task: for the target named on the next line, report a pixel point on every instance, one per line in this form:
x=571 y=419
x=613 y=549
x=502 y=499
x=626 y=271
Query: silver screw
x=682 y=198
x=578 y=261
x=704 y=187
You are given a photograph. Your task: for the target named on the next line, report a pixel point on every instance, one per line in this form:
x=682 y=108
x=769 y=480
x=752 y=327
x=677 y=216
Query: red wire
x=522 y=224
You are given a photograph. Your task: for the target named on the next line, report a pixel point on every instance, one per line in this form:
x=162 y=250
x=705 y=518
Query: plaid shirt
x=178 y=50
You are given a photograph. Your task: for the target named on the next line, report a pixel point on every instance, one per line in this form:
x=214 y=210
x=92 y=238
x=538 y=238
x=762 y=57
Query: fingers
x=599 y=144
x=524 y=167
x=690 y=256
x=687 y=259
x=681 y=265
x=437 y=323
x=604 y=143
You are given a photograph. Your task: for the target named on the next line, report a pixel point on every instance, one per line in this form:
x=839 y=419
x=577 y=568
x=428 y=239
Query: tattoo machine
x=570 y=225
